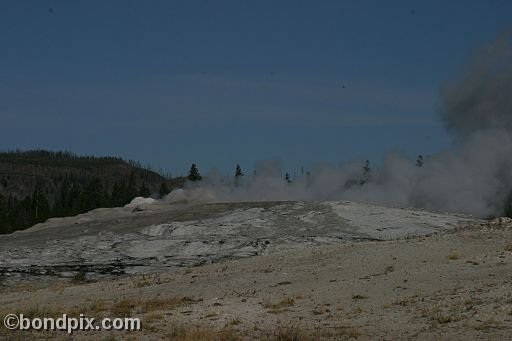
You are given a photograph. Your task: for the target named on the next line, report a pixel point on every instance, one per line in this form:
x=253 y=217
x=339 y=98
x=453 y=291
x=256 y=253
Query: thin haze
x=225 y=82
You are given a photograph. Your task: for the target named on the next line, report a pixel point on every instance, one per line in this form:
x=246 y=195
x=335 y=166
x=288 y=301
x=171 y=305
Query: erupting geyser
x=475 y=177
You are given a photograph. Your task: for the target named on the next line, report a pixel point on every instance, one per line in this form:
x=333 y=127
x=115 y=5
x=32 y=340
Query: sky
x=169 y=83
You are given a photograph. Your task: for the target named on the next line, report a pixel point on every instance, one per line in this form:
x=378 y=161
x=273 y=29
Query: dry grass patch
x=235 y=322
x=471 y=302
x=126 y=307
x=37 y=311
x=149 y=280
x=444 y=318
x=489 y=324
x=405 y=301
x=278 y=307
x=290 y=333
x=199 y=334
x=152 y=317
x=96 y=307
x=343 y=332
x=157 y=304
x=153 y=322
x=294 y=333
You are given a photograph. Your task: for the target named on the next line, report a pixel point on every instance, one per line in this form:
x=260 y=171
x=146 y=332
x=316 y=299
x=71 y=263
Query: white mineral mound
x=151 y=235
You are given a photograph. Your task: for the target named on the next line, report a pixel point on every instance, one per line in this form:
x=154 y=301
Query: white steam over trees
x=475 y=177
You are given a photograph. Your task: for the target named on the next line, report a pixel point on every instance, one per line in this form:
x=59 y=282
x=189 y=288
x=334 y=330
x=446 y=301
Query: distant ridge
x=38 y=184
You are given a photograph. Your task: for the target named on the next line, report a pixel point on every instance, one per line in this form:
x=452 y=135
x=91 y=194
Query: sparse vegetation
x=97 y=307
x=444 y=318
x=126 y=307
x=123 y=308
x=278 y=307
x=295 y=333
x=405 y=301
x=488 y=324
x=235 y=322
x=184 y=333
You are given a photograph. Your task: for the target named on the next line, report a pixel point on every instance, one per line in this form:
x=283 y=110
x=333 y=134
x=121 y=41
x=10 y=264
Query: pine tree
x=73 y=199
x=193 y=174
x=419 y=161
x=131 y=190
x=22 y=216
x=238 y=174
x=40 y=207
x=366 y=167
x=238 y=171
x=118 y=195
x=366 y=173
x=144 y=191
x=94 y=195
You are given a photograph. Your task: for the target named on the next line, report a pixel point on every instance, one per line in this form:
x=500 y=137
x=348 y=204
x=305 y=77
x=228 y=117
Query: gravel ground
x=450 y=285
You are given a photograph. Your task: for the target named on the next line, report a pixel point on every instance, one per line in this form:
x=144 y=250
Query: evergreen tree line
x=78 y=195
x=73 y=197
x=61 y=159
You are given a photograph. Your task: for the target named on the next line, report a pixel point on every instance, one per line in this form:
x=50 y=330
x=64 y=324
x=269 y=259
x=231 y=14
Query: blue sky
x=224 y=82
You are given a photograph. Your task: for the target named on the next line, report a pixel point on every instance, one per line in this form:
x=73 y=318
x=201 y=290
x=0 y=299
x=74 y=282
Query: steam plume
x=473 y=178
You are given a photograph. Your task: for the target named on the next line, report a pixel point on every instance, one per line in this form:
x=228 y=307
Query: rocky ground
x=452 y=284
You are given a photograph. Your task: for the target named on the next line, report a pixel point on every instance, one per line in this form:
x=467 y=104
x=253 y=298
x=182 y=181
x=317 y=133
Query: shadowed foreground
x=451 y=285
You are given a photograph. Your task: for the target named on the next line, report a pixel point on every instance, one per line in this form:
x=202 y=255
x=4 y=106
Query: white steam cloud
x=474 y=178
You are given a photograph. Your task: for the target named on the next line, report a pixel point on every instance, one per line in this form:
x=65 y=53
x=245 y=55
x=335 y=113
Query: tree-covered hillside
x=37 y=185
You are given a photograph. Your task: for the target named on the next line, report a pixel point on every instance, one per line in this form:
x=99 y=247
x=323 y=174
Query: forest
x=38 y=185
